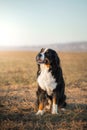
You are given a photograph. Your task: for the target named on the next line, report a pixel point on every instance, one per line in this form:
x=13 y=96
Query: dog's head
x=47 y=57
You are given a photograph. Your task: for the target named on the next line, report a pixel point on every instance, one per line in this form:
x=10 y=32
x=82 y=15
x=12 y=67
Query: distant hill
x=72 y=47
x=77 y=47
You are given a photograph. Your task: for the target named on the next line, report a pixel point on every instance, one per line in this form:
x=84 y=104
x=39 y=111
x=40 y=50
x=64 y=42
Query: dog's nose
x=39 y=55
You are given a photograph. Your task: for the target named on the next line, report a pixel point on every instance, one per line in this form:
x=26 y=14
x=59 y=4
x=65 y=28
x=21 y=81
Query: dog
x=51 y=85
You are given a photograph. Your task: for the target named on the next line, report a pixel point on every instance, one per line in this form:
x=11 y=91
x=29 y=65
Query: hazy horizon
x=36 y=22
x=38 y=45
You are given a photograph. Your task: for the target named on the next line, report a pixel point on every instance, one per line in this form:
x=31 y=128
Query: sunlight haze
x=36 y=22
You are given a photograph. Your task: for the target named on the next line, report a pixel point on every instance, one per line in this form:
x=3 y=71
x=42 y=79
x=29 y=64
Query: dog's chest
x=46 y=81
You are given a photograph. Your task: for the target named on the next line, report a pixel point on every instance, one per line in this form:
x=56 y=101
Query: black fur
x=56 y=71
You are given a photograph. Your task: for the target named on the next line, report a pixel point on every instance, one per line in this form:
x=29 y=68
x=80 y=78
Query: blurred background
x=26 y=24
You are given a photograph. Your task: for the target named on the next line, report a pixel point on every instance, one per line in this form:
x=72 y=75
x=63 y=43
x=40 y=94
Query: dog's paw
x=40 y=112
x=54 y=112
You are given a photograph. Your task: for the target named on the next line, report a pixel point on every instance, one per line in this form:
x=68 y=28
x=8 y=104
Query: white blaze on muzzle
x=45 y=50
x=42 y=54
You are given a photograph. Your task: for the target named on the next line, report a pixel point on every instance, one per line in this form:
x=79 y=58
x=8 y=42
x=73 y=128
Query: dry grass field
x=17 y=93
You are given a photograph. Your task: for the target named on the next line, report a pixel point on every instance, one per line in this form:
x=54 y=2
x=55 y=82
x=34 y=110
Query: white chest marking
x=46 y=80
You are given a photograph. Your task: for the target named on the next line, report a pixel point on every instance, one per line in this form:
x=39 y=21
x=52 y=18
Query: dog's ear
x=38 y=71
x=42 y=49
x=57 y=60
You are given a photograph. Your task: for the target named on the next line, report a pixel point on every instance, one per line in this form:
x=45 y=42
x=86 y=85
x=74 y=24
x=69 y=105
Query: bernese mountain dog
x=51 y=86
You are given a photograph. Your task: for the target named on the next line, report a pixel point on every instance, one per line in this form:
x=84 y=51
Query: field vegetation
x=18 y=93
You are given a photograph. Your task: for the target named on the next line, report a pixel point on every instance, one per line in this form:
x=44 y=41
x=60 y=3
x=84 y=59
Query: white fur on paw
x=54 y=109
x=40 y=112
x=63 y=109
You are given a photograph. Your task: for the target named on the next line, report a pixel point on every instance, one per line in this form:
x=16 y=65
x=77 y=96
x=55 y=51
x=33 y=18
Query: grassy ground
x=17 y=93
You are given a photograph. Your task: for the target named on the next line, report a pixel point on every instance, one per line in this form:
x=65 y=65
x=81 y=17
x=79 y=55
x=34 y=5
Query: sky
x=40 y=22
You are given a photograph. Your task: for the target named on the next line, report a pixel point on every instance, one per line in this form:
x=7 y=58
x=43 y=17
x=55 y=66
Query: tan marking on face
x=42 y=50
x=48 y=66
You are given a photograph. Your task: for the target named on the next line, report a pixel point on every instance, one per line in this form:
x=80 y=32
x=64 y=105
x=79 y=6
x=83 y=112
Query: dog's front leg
x=40 y=110
x=55 y=105
x=41 y=98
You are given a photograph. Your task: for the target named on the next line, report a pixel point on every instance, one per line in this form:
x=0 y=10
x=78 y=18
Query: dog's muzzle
x=40 y=58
